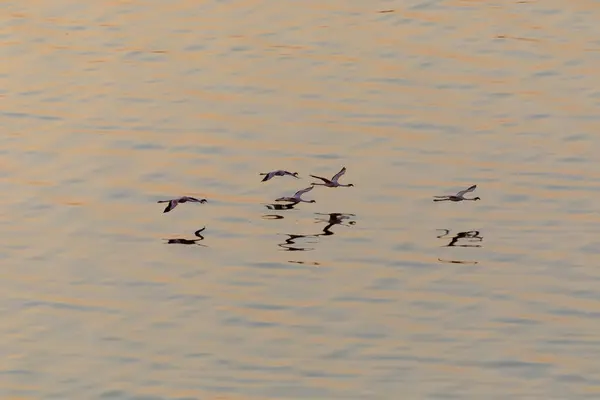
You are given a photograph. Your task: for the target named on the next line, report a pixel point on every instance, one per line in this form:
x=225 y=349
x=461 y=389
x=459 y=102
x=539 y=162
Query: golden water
x=110 y=106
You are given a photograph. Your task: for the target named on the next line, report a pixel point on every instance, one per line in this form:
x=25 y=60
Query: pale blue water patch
x=155 y=177
x=292 y=391
x=268 y=307
x=526 y=55
x=120 y=194
x=516 y=367
x=591 y=248
x=123 y=238
x=234 y=220
x=431 y=127
x=138 y=100
x=409 y=265
x=211 y=150
x=126 y=395
x=519 y=325
x=145 y=56
x=246 y=322
x=20 y=115
x=405 y=247
x=427 y=306
x=516 y=198
x=359 y=299
x=374 y=142
x=192 y=49
x=545 y=74
x=327 y=156
x=375 y=120
x=244 y=283
x=275 y=266
x=30 y=93
x=456 y=86
x=507 y=257
x=356 y=240
x=67 y=306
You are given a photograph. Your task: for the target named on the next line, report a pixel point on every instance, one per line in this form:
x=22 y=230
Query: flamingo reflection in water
x=280 y=206
x=470 y=236
x=334 y=219
x=458 y=261
x=277 y=207
x=291 y=240
x=188 y=241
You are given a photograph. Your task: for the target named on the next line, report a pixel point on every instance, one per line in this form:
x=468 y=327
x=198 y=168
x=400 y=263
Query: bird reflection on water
x=188 y=241
x=305 y=262
x=291 y=240
x=458 y=261
x=471 y=236
x=280 y=206
x=272 y=216
x=334 y=219
x=468 y=236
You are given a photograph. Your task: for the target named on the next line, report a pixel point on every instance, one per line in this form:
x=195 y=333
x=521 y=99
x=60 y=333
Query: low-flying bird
x=460 y=196
x=279 y=172
x=296 y=198
x=334 y=181
x=184 y=199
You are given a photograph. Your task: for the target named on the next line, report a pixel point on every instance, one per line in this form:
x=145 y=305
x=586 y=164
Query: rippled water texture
x=110 y=106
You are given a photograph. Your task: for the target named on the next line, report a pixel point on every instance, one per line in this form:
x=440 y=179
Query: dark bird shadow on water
x=188 y=241
x=468 y=237
x=334 y=219
x=288 y=244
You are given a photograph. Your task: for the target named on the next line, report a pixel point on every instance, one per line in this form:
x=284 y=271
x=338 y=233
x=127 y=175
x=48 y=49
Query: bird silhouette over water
x=460 y=196
x=333 y=182
x=279 y=172
x=184 y=199
x=297 y=197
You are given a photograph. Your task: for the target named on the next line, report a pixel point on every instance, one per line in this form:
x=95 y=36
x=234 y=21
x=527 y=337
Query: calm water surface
x=110 y=106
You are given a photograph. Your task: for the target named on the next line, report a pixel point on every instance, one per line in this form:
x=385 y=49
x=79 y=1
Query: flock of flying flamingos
x=297 y=197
